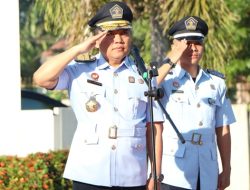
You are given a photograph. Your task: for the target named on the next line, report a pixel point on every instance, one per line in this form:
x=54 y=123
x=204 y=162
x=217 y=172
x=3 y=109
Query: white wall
x=38 y=131
x=240 y=150
x=9 y=74
x=35 y=132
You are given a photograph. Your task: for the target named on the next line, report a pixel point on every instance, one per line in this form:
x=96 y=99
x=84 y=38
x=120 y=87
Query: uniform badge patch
x=92 y=105
x=131 y=79
x=176 y=84
x=95 y=76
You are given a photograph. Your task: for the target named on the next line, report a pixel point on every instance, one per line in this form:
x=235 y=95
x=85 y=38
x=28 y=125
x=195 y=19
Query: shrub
x=36 y=171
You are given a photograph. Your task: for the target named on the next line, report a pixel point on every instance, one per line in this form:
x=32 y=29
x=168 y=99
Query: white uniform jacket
x=118 y=100
x=196 y=108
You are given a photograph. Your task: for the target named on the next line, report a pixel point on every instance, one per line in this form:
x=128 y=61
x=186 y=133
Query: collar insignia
x=116 y=11
x=191 y=23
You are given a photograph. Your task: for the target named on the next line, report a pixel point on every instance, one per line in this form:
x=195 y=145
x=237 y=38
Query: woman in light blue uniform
x=109 y=148
x=196 y=101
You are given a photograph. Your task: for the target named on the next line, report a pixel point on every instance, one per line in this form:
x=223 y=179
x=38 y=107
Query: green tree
x=33 y=40
x=239 y=67
x=69 y=18
x=221 y=23
x=227 y=44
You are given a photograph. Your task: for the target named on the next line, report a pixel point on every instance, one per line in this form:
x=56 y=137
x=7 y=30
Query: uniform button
x=115 y=109
x=113 y=147
x=115 y=74
x=139 y=147
x=115 y=91
x=198 y=105
x=196 y=87
x=200 y=123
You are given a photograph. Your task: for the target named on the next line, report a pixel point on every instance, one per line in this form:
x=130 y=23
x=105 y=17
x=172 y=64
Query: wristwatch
x=159 y=178
x=169 y=62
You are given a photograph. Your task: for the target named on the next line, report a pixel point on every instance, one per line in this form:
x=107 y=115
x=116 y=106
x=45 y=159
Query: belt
x=115 y=132
x=197 y=138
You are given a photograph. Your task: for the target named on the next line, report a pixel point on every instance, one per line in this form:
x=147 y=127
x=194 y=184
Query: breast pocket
x=210 y=104
x=178 y=104
x=137 y=104
x=179 y=97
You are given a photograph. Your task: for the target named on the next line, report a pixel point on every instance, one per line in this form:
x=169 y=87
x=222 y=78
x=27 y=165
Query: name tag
x=177 y=91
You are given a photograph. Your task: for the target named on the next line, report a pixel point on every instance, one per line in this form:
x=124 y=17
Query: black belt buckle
x=196 y=139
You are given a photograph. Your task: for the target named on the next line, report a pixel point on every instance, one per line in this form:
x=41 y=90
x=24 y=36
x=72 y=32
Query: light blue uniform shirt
x=95 y=158
x=196 y=108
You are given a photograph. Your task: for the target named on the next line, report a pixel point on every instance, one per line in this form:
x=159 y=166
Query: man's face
x=115 y=45
x=193 y=52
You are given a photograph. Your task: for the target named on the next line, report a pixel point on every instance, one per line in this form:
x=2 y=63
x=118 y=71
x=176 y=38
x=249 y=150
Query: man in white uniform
x=109 y=148
x=196 y=101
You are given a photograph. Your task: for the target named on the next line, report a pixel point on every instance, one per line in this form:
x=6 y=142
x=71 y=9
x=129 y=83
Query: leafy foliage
x=227 y=43
x=221 y=23
x=68 y=18
x=142 y=38
x=239 y=67
x=33 y=40
x=36 y=171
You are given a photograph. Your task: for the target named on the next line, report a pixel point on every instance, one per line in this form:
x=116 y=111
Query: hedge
x=36 y=171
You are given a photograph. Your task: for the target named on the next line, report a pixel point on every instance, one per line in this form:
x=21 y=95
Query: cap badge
x=191 y=23
x=116 y=11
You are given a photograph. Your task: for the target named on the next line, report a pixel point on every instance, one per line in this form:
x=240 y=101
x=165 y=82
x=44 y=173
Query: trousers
x=170 y=187
x=84 y=186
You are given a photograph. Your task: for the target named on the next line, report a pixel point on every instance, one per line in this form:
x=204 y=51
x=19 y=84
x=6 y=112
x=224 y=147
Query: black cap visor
x=191 y=38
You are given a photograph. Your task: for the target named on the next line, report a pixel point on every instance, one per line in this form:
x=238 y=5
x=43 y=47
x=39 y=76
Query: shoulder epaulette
x=216 y=73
